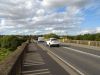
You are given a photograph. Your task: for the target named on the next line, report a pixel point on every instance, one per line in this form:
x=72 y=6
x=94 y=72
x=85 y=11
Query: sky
x=36 y=17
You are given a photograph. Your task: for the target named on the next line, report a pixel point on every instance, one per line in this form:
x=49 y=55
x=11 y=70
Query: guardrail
x=84 y=42
x=12 y=65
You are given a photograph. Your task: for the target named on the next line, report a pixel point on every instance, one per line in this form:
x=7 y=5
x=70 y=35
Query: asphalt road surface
x=85 y=60
x=38 y=62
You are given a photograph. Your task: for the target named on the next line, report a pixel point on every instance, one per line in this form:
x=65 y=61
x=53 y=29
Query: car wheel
x=50 y=45
x=58 y=45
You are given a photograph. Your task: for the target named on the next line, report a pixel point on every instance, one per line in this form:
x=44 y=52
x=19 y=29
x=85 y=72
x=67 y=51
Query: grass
x=4 y=53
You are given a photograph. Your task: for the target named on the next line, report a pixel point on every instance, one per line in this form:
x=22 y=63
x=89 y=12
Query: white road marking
x=76 y=50
x=75 y=69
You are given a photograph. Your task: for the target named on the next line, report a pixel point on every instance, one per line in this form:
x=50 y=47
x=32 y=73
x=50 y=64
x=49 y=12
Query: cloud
x=97 y=30
x=90 y=31
x=67 y=3
x=41 y=16
x=54 y=3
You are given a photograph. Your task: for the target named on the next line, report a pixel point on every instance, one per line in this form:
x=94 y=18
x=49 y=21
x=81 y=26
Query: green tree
x=92 y=37
x=51 y=35
x=97 y=38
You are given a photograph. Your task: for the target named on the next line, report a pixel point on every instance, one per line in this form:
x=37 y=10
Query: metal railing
x=12 y=65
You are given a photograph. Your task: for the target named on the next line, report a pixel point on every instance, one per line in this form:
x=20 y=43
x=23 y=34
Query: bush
x=4 y=53
x=11 y=42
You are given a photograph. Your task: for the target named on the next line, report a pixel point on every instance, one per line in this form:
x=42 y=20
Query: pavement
x=38 y=62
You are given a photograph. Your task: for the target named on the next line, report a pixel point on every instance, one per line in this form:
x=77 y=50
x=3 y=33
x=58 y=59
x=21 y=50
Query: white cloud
x=2 y=22
x=97 y=30
x=90 y=31
x=54 y=3
x=85 y=32
x=39 y=16
x=40 y=12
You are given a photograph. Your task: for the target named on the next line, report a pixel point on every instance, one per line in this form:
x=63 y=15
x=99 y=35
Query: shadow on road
x=38 y=62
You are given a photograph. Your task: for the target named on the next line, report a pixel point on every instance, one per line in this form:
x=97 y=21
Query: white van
x=40 y=39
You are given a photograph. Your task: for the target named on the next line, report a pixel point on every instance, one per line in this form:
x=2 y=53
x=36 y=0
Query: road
x=38 y=62
x=87 y=61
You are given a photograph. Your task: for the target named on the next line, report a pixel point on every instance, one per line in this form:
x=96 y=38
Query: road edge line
x=72 y=67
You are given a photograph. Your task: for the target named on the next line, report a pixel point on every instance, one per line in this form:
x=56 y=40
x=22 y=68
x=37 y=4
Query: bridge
x=32 y=58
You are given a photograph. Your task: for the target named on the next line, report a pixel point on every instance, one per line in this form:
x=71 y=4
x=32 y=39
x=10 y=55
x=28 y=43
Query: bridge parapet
x=12 y=65
x=84 y=42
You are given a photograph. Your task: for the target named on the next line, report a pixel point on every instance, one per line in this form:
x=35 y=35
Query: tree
x=92 y=37
x=97 y=38
x=51 y=35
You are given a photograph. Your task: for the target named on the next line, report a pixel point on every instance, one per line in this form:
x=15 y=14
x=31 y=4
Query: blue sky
x=35 y=17
x=92 y=19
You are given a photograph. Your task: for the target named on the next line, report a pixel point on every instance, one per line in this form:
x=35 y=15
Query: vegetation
x=9 y=43
x=4 y=53
x=51 y=35
x=92 y=37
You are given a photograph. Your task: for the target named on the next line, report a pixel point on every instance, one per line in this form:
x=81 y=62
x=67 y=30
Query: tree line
x=91 y=37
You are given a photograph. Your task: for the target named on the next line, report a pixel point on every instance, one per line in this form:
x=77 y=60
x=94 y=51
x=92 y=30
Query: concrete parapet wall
x=8 y=64
x=84 y=42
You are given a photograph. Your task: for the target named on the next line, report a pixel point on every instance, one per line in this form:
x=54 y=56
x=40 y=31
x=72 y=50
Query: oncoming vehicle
x=53 y=42
x=40 y=39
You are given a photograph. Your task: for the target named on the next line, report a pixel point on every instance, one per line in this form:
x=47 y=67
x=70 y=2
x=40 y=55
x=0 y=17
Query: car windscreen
x=53 y=39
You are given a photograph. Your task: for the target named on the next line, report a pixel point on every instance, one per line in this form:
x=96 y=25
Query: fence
x=12 y=65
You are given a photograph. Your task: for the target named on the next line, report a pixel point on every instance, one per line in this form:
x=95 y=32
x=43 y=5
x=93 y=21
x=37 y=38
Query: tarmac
x=38 y=62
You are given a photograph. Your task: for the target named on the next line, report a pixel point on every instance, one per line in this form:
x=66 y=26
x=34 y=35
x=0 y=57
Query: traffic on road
x=84 y=60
